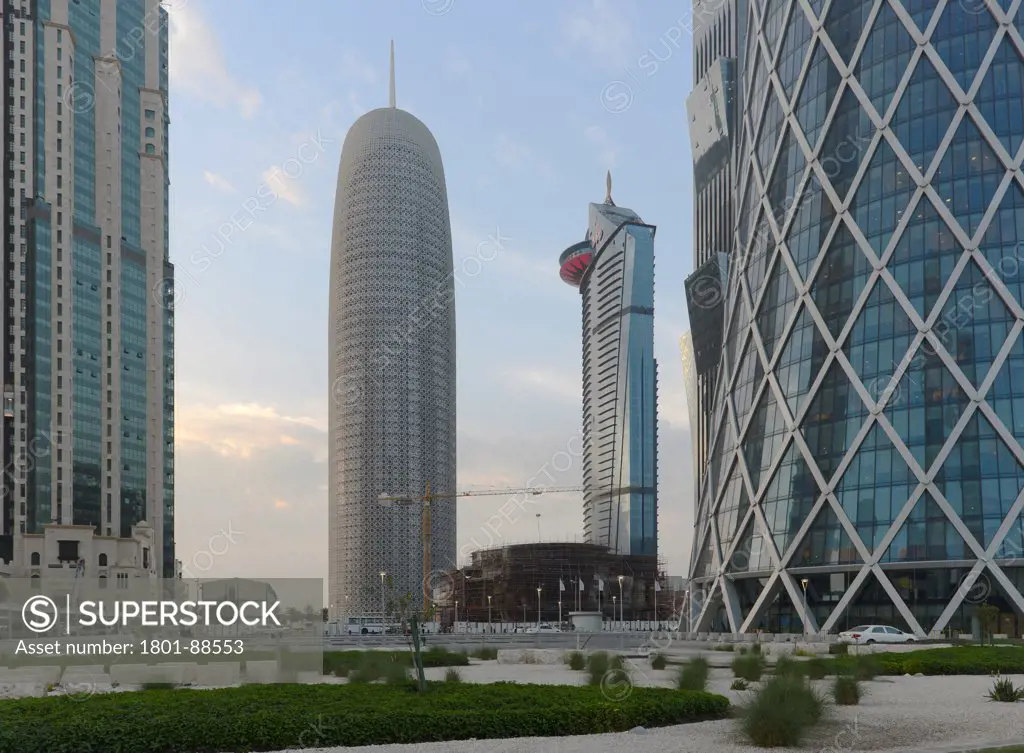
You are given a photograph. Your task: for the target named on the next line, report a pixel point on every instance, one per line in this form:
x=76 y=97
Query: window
x=150 y=149
x=103 y=560
x=35 y=559
x=150 y=114
x=67 y=551
x=150 y=132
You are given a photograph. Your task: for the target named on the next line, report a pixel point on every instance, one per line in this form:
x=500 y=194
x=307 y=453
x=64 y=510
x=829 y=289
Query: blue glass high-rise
x=88 y=288
x=614 y=270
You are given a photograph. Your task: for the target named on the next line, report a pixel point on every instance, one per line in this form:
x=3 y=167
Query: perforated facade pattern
x=868 y=439
x=392 y=361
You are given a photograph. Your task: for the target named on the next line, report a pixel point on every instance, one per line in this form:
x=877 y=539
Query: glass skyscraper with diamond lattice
x=867 y=460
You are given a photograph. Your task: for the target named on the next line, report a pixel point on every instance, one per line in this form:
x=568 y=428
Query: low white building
x=62 y=551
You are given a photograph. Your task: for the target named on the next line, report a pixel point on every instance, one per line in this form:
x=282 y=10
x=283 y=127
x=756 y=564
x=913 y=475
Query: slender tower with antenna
x=391 y=370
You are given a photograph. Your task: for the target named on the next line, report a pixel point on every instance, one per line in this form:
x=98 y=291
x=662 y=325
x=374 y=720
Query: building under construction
x=511 y=575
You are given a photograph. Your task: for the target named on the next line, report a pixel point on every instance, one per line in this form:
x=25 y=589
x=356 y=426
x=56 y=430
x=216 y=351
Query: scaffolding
x=511 y=575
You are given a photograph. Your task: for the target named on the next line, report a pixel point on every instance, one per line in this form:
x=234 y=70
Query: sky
x=531 y=103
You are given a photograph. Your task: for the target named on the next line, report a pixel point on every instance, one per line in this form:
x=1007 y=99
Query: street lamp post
x=455 y=625
x=538 y=606
x=489 y=629
x=803 y=582
x=524 y=615
x=559 y=614
x=622 y=602
x=614 y=601
x=382 y=574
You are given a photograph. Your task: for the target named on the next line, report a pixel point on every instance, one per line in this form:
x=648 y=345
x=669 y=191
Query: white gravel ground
x=897 y=715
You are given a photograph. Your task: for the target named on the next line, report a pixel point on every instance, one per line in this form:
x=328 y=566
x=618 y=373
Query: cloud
x=197 y=65
x=285 y=188
x=516 y=155
x=557 y=385
x=217 y=493
x=457 y=64
x=241 y=429
x=597 y=27
x=604 y=149
x=218 y=181
x=355 y=70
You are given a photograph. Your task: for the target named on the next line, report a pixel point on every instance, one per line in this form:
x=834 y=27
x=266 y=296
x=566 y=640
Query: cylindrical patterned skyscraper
x=392 y=362
x=867 y=459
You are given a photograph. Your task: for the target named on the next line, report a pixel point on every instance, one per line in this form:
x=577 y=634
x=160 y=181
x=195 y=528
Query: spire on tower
x=608 y=186
x=391 y=87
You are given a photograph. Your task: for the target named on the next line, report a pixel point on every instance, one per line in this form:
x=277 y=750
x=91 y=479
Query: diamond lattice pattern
x=885 y=308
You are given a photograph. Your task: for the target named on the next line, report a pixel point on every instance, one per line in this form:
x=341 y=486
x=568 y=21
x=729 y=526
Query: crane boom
x=410 y=500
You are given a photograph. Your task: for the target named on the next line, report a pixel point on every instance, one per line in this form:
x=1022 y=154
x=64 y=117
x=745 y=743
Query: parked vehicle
x=867 y=635
x=543 y=627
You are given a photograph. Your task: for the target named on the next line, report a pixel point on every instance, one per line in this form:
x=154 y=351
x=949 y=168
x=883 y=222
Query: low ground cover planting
x=341 y=663
x=277 y=717
x=966 y=660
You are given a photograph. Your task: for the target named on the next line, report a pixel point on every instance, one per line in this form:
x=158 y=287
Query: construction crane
x=390 y=499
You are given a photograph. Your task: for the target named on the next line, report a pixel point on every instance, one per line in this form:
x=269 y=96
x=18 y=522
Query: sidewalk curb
x=974 y=747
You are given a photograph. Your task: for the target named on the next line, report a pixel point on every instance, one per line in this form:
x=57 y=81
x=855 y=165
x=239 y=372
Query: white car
x=867 y=635
x=543 y=628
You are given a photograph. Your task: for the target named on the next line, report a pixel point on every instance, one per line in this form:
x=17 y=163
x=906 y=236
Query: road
x=503 y=641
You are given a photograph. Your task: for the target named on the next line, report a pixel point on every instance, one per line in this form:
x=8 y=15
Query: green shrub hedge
x=966 y=660
x=276 y=717
x=343 y=662
x=334 y=662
